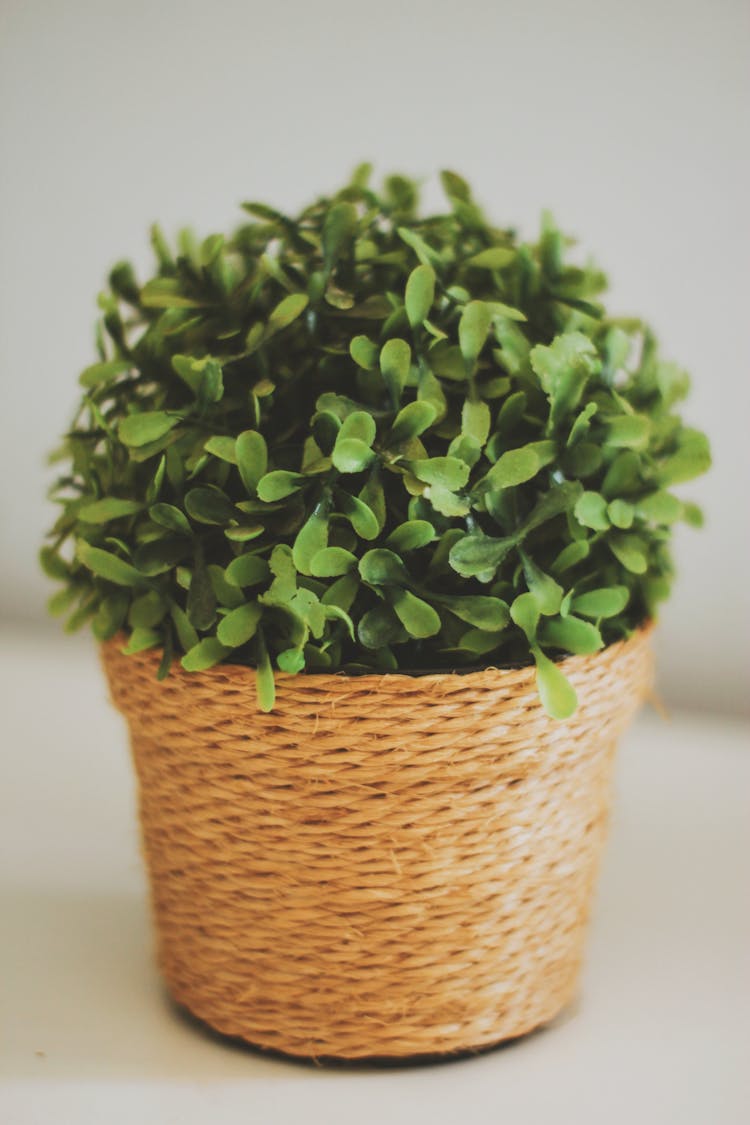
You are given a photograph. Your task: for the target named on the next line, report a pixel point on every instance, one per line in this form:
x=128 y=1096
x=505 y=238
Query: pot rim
x=644 y=630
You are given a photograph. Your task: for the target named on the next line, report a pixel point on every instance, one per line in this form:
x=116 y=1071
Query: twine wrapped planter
x=384 y=866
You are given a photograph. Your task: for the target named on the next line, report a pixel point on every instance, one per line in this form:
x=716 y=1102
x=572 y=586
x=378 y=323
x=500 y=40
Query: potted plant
x=370 y=513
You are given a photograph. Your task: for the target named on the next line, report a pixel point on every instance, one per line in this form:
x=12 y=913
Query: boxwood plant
x=366 y=439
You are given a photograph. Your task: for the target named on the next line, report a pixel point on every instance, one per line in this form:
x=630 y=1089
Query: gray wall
x=625 y=119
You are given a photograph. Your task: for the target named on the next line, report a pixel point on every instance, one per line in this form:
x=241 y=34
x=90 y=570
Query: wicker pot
x=386 y=865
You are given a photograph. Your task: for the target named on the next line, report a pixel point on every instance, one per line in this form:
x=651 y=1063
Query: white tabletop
x=660 y=1033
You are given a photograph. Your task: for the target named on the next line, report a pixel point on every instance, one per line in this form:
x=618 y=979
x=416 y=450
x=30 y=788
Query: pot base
x=376 y=1062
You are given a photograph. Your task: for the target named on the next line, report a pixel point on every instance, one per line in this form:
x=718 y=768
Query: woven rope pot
x=386 y=865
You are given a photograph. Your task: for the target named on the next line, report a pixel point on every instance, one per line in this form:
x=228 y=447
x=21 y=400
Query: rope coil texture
x=385 y=865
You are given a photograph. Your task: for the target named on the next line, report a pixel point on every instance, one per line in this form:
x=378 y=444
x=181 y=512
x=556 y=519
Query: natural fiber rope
x=385 y=865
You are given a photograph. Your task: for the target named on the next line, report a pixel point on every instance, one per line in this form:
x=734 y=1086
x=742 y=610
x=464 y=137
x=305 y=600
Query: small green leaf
x=284 y=586
x=52 y=565
x=186 y=634
x=479 y=642
x=279 y=484
x=582 y=460
x=420 y=293
x=556 y=692
x=338 y=298
x=160 y=555
x=473 y=330
x=606 y=601
x=476 y=421
x=616 y=349
x=692 y=514
x=381 y=567
x=209 y=505
x=547 y=593
x=141 y=639
x=623 y=475
x=108 y=566
x=201 y=599
x=360 y=515
x=147 y=610
x=513 y=468
x=154 y=485
x=372 y=495
x=62 y=600
x=571 y=555
x=591 y=511
x=410 y=536
x=350 y=455
x=205 y=654
x=166 y=293
x=291 y=660
x=189 y=369
x=692 y=458
x=447 y=502
x=493 y=258
x=223 y=447
x=239 y=625
x=265 y=685
x=167 y=515
x=333 y=612
x=629 y=431
x=102 y=511
x=582 y=424
x=560 y=498
x=343 y=591
x=489 y=614
x=429 y=390
x=411 y=421
x=511 y=413
x=211 y=381
x=417 y=616
x=499 y=309
x=466 y=448
x=514 y=346
x=478 y=554
x=525 y=613
x=395 y=361
x=455 y=186
x=338 y=232
x=227 y=594
x=247 y=570
x=103 y=372
x=448 y=472
x=252 y=458
x=571 y=634
x=364 y=352
x=330 y=562
x=379 y=627
x=254 y=338
x=659 y=507
x=564 y=367
x=110 y=616
x=425 y=253
x=142 y=429
x=620 y=513
x=630 y=551
x=311 y=539
x=287 y=311
x=360 y=425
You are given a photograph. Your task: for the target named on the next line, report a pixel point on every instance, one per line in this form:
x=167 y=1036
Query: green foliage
x=362 y=438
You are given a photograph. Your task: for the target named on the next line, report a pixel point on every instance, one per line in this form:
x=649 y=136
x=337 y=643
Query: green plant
x=364 y=439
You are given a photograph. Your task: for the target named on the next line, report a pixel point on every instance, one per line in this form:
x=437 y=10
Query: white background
x=628 y=120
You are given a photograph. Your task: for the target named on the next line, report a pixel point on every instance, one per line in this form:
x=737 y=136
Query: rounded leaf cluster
x=366 y=439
